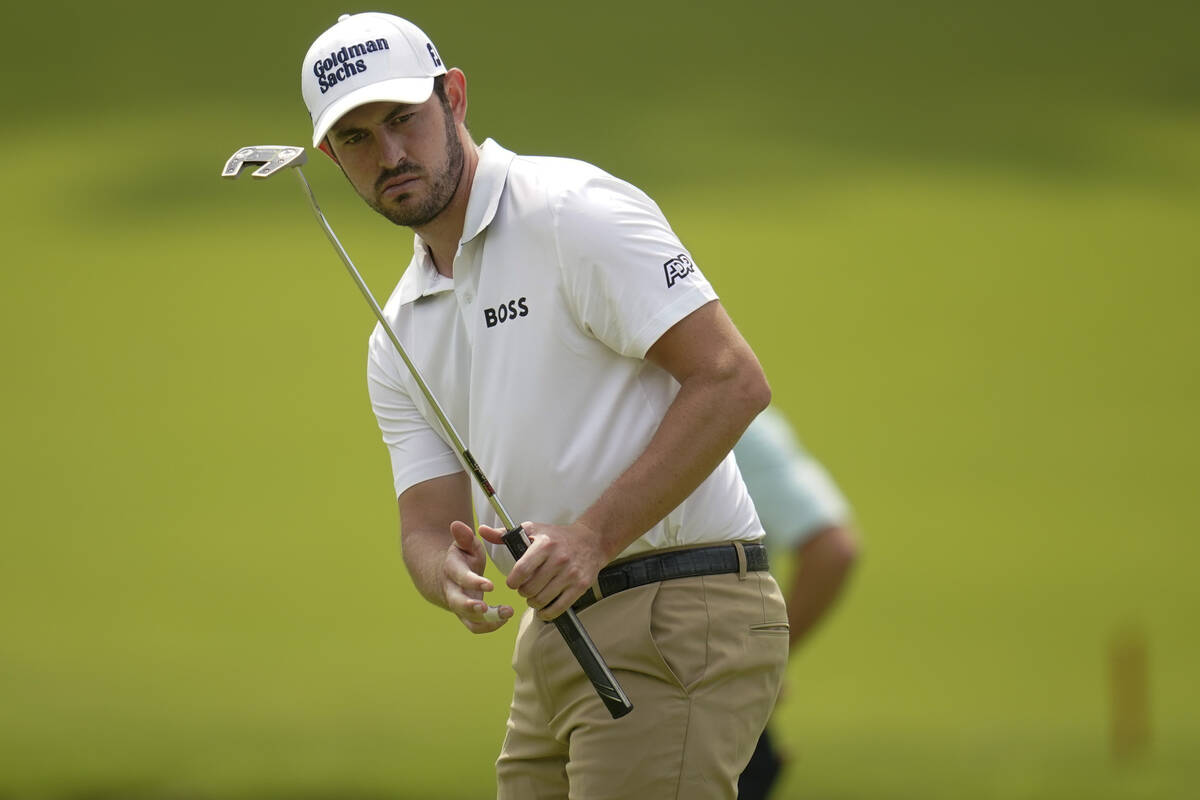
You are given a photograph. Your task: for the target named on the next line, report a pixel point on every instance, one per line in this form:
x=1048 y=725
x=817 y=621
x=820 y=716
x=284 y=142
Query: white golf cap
x=366 y=58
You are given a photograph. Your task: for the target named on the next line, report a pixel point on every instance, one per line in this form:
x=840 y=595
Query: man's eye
x=403 y=118
x=353 y=139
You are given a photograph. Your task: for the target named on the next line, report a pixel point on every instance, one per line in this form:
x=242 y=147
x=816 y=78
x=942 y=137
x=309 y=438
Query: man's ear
x=327 y=150
x=455 y=84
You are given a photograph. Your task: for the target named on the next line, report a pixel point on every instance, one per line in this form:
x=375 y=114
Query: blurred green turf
x=962 y=241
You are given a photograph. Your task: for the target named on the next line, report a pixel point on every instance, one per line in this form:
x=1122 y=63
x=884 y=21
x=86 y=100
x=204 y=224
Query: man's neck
x=443 y=233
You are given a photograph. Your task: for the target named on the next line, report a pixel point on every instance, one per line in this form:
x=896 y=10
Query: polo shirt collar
x=421 y=279
x=491 y=173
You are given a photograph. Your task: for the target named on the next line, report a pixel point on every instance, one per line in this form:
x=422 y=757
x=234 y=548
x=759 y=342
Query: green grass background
x=961 y=237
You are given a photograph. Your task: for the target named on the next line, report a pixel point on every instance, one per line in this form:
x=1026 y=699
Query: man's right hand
x=463 y=583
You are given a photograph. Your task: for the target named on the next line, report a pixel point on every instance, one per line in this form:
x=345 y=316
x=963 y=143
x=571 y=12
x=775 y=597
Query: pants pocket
x=679 y=629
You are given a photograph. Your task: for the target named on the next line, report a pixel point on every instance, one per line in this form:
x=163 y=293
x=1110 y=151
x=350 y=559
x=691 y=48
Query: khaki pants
x=702 y=660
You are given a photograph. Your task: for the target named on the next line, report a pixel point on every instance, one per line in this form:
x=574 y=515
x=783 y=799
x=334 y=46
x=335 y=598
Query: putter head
x=272 y=158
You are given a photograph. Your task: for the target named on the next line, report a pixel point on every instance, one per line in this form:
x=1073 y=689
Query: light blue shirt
x=794 y=495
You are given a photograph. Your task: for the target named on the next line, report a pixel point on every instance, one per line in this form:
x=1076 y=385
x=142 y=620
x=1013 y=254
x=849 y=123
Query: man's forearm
x=699 y=429
x=426 y=512
x=424 y=554
x=825 y=562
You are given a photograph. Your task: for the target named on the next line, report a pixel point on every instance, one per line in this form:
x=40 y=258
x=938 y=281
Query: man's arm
x=722 y=388
x=824 y=564
x=443 y=556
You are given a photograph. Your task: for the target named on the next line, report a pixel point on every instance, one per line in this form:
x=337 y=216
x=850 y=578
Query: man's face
x=404 y=160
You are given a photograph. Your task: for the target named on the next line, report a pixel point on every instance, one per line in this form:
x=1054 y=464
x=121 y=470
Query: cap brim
x=396 y=90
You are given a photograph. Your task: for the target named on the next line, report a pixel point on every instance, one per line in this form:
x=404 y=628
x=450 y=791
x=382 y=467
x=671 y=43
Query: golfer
x=575 y=344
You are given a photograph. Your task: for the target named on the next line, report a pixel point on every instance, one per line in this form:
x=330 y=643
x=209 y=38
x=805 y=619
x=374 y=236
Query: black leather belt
x=687 y=563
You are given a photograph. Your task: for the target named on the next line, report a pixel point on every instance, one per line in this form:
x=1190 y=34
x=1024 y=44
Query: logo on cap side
x=337 y=66
x=437 y=62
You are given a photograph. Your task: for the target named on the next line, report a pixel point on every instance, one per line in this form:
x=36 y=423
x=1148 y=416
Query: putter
x=272 y=159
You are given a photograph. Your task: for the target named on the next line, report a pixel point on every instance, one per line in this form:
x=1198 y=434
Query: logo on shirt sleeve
x=678 y=268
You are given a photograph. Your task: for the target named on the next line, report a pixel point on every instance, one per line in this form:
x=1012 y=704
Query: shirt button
x=468 y=298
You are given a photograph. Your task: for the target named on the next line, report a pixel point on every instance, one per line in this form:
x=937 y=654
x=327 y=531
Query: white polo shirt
x=564 y=278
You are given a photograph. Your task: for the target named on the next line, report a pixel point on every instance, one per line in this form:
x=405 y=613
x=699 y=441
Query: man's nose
x=392 y=152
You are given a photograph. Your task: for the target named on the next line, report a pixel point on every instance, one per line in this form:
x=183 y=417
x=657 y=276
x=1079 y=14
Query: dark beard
x=441 y=191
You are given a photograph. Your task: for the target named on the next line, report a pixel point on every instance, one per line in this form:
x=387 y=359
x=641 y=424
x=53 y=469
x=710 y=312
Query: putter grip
x=580 y=644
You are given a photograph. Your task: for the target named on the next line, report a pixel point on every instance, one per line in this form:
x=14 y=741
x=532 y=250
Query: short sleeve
x=627 y=276
x=417 y=451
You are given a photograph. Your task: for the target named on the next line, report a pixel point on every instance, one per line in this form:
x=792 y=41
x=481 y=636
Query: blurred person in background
x=807 y=519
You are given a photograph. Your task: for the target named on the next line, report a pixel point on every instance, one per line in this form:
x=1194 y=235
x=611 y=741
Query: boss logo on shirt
x=678 y=268
x=505 y=311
